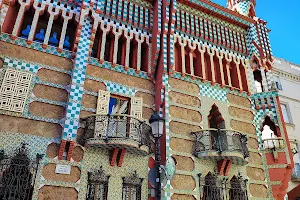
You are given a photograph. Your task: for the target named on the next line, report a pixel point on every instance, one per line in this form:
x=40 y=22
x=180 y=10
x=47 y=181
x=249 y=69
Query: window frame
x=288 y=112
x=95 y=179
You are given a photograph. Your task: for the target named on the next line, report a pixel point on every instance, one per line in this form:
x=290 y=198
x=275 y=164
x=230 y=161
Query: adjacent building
x=287 y=80
x=80 y=80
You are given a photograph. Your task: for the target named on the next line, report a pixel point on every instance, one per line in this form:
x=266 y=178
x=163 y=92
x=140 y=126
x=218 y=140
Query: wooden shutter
x=103 y=102
x=136 y=107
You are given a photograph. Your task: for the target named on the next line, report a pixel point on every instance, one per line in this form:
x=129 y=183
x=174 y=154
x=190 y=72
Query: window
x=97 y=185
x=258 y=81
x=132 y=187
x=118 y=105
x=237 y=189
x=285 y=113
x=17 y=174
x=277 y=83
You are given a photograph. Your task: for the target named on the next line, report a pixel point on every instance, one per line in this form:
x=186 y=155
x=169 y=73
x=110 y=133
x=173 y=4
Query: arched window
x=258 y=80
x=211 y=191
x=270 y=131
x=238 y=189
x=97 y=185
x=109 y=47
x=218 y=137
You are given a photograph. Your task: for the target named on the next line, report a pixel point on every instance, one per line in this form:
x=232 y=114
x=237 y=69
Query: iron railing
x=110 y=127
x=220 y=140
x=213 y=187
x=273 y=143
x=296 y=172
x=17 y=175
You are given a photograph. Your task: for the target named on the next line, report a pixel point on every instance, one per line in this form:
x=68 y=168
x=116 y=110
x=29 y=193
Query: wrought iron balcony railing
x=117 y=131
x=296 y=172
x=274 y=143
x=220 y=143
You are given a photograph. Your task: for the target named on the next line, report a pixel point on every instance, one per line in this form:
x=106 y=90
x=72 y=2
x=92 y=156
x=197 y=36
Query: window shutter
x=103 y=102
x=136 y=107
x=136 y=110
x=101 y=122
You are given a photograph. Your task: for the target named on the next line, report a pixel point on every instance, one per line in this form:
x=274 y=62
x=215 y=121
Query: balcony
x=218 y=144
x=117 y=131
x=296 y=172
x=273 y=143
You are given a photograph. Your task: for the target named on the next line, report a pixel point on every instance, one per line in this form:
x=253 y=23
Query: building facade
x=80 y=79
x=287 y=79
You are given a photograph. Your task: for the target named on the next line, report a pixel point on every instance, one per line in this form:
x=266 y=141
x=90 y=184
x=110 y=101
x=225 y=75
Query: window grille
x=213 y=187
x=97 y=185
x=132 y=187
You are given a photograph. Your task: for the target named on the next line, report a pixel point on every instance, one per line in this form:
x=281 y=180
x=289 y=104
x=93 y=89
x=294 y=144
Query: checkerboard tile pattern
x=120 y=89
x=213 y=92
x=73 y=108
x=243 y=7
x=18 y=64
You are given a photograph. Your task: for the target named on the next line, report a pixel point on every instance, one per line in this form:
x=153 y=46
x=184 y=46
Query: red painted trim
x=123 y=152
x=114 y=157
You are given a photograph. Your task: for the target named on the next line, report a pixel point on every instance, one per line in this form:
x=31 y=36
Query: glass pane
x=113 y=106
x=123 y=106
x=285 y=113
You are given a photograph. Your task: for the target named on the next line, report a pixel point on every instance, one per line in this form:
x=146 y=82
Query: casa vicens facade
x=81 y=79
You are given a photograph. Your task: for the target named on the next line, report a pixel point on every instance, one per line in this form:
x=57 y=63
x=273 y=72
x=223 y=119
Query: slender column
x=192 y=46
x=140 y=39
x=50 y=22
x=228 y=59
x=67 y=16
x=38 y=10
x=105 y=28
x=128 y=36
x=211 y=52
x=17 y=26
x=264 y=79
x=182 y=42
x=245 y=65
x=149 y=54
x=117 y=32
x=220 y=55
x=202 y=50
x=237 y=61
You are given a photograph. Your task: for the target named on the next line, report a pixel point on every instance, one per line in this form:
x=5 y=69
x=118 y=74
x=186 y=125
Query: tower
x=244 y=7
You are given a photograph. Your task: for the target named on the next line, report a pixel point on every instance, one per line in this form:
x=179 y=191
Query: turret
x=244 y=7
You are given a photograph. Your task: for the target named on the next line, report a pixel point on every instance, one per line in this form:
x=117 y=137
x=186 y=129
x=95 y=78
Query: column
x=67 y=17
x=117 y=32
x=140 y=39
x=192 y=46
x=228 y=59
x=202 y=50
x=182 y=42
x=237 y=61
x=211 y=52
x=220 y=55
x=105 y=28
x=50 y=22
x=19 y=19
x=38 y=10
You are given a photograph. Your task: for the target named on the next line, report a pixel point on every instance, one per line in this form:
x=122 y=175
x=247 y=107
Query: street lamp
x=157 y=125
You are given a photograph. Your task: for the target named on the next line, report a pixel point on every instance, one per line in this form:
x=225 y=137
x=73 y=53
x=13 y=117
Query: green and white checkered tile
x=18 y=64
x=78 y=76
x=120 y=89
x=213 y=92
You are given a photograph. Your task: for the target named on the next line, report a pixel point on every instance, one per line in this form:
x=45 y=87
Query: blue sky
x=283 y=19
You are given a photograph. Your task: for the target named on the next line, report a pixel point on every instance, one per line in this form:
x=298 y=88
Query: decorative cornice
x=286 y=75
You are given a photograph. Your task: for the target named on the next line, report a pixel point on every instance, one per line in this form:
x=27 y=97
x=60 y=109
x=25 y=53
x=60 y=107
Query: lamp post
x=157 y=125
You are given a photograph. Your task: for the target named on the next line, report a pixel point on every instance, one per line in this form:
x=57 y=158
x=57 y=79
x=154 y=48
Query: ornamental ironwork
x=109 y=127
x=213 y=187
x=220 y=140
x=18 y=174
x=97 y=185
x=132 y=187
